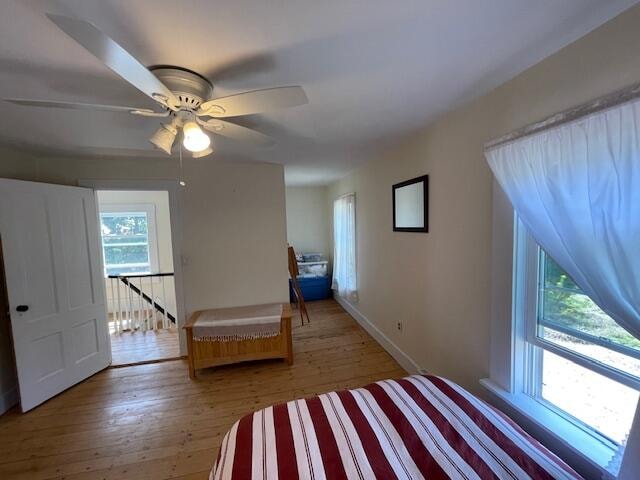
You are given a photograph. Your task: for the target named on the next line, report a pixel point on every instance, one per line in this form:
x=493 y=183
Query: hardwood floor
x=152 y=422
x=135 y=347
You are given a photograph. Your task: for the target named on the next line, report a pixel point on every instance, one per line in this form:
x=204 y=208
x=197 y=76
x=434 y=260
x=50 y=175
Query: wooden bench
x=210 y=353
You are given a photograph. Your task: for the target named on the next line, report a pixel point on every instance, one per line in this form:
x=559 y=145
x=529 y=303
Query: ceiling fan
x=184 y=96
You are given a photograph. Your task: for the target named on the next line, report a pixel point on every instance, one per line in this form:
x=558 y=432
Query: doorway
x=137 y=258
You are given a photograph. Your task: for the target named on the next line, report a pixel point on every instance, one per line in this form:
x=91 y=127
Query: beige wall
x=232 y=215
x=233 y=226
x=308 y=220
x=438 y=284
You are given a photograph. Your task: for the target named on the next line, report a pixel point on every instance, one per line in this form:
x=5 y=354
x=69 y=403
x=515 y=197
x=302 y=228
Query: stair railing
x=136 y=304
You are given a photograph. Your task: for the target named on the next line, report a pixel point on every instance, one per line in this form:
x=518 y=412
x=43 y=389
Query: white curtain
x=576 y=187
x=344 y=247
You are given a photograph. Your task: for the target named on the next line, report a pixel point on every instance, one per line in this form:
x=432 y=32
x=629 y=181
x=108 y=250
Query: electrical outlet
x=399 y=326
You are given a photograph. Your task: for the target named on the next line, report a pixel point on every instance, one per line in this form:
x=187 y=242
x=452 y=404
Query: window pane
x=569 y=317
x=616 y=359
x=115 y=255
x=127 y=224
x=601 y=403
x=577 y=311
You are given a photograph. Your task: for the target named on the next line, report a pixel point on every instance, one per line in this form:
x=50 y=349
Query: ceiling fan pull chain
x=181 y=175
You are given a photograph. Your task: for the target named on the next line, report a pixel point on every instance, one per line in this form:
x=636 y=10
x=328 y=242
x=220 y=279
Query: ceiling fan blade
x=256 y=101
x=86 y=106
x=116 y=58
x=237 y=132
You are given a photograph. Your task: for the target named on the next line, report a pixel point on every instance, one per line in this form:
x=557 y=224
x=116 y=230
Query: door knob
x=22 y=308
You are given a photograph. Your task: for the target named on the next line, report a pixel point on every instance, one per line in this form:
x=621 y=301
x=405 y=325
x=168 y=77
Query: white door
x=53 y=265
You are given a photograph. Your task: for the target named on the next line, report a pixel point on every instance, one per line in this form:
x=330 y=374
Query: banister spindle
x=115 y=300
x=131 y=306
x=165 y=323
x=121 y=325
x=116 y=317
x=110 y=315
x=125 y=303
x=142 y=318
x=154 y=324
x=116 y=304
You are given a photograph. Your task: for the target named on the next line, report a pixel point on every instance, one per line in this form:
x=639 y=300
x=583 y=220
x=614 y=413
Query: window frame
x=152 y=233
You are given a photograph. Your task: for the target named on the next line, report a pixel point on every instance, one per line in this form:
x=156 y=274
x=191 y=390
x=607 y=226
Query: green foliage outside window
x=564 y=303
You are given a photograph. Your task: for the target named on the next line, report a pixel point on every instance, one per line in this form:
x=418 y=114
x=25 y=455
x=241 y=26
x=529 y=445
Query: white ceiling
x=374 y=71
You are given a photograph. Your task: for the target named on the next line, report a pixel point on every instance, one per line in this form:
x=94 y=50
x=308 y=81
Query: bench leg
x=191 y=360
x=288 y=340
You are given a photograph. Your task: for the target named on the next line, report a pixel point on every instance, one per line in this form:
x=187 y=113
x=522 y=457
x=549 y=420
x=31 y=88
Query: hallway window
x=344 y=245
x=128 y=239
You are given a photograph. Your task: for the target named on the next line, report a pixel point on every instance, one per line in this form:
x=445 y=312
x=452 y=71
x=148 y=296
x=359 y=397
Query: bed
x=417 y=427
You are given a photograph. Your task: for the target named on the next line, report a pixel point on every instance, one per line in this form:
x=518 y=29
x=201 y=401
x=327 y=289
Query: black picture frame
x=425 y=181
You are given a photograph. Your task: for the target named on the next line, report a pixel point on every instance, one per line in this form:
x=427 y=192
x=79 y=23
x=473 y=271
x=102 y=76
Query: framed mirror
x=411 y=205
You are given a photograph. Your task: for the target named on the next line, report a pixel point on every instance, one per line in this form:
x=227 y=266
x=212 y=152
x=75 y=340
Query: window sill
x=574 y=438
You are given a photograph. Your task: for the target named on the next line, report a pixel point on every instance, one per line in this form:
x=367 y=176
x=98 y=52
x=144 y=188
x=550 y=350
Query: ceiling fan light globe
x=195 y=140
x=163 y=138
x=196 y=143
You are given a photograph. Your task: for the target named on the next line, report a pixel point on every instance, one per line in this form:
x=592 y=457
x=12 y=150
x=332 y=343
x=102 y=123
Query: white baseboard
x=401 y=357
x=8 y=399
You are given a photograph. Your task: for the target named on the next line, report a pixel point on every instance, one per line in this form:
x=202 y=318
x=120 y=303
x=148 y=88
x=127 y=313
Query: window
x=128 y=239
x=556 y=357
x=344 y=245
x=579 y=363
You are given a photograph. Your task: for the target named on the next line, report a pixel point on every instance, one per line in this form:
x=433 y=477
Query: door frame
x=175 y=201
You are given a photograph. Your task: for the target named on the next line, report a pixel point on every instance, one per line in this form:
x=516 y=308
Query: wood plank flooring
x=135 y=347
x=152 y=422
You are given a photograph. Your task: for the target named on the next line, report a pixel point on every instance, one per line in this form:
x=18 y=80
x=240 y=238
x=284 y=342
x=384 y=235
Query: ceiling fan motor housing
x=190 y=87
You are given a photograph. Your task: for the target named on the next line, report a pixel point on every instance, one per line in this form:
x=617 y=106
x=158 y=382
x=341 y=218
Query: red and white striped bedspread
x=414 y=428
